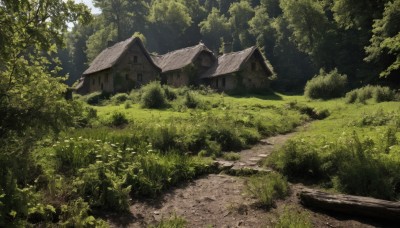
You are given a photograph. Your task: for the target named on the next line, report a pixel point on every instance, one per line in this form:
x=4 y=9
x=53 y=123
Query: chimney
x=228 y=46
x=110 y=43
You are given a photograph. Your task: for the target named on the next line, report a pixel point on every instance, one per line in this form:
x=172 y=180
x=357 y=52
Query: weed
x=267 y=188
x=293 y=217
x=231 y=156
x=173 y=222
x=118 y=119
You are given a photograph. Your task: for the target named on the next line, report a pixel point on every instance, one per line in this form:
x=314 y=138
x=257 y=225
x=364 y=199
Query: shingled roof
x=178 y=59
x=233 y=62
x=110 y=56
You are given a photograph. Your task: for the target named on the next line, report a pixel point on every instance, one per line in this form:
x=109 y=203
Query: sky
x=90 y=4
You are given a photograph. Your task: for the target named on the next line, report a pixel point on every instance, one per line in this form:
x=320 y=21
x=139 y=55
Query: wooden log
x=351 y=205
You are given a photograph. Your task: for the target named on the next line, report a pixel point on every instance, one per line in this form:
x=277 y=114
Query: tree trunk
x=352 y=205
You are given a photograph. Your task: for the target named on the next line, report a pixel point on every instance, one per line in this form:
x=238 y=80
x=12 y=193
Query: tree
x=215 y=27
x=240 y=14
x=385 y=41
x=31 y=93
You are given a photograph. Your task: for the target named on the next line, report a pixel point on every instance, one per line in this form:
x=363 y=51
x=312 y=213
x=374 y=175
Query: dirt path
x=219 y=200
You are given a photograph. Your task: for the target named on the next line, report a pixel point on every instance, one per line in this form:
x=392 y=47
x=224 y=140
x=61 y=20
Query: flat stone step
x=247 y=170
x=255 y=159
x=262 y=155
x=252 y=163
x=224 y=164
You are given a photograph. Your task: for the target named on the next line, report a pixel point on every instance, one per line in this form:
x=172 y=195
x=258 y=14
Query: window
x=253 y=66
x=223 y=82
x=135 y=59
x=106 y=78
x=139 y=77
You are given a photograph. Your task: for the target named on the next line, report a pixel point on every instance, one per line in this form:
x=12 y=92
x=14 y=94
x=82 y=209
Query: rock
x=255 y=159
x=240 y=223
x=262 y=155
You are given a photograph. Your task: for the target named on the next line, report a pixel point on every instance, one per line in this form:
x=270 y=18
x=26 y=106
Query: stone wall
x=133 y=70
x=100 y=81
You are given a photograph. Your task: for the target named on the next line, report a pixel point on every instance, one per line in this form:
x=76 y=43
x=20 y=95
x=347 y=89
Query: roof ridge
x=238 y=52
x=181 y=49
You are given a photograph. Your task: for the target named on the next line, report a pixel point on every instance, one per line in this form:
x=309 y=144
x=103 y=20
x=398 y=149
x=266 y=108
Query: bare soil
x=219 y=200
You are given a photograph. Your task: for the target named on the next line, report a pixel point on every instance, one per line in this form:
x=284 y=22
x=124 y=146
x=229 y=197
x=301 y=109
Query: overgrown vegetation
x=267 y=188
x=346 y=154
x=326 y=85
x=378 y=93
x=293 y=217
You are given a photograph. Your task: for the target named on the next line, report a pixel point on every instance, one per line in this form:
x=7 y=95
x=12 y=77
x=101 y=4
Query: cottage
x=239 y=70
x=184 y=66
x=119 y=68
x=127 y=65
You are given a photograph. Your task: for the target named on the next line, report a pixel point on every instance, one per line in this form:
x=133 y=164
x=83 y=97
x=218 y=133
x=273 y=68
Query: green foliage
x=362 y=167
x=379 y=93
x=169 y=93
x=191 y=100
x=293 y=217
x=119 y=98
x=215 y=27
x=96 y=98
x=153 y=96
x=118 y=119
x=231 y=156
x=326 y=85
x=267 y=188
x=386 y=38
x=76 y=214
x=173 y=222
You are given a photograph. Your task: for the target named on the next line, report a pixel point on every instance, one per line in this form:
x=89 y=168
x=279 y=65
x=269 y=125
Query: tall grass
x=268 y=188
x=378 y=93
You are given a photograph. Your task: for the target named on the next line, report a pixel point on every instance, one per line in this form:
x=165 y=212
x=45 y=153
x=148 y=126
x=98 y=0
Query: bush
x=268 y=188
x=326 y=85
x=169 y=93
x=96 y=98
x=191 y=100
x=382 y=94
x=118 y=119
x=379 y=93
x=153 y=96
x=119 y=98
x=128 y=105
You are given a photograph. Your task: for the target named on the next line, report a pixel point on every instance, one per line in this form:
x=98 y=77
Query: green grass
x=293 y=217
x=231 y=156
x=355 y=150
x=267 y=188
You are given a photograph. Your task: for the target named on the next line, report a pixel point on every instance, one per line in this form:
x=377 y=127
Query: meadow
x=121 y=149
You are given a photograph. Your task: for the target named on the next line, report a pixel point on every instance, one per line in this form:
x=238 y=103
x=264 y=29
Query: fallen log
x=351 y=205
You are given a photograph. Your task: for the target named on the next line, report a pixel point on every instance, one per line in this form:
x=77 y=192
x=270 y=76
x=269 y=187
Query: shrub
x=382 y=94
x=119 y=98
x=118 y=119
x=128 y=105
x=379 y=93
x=268 y=188
x=292 y=217
x=191 y=100
x=326 y=85
x=96 y=98
x=169 y=93
x=153 y=96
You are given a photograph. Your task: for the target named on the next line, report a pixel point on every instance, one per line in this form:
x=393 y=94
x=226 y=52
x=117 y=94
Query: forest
x=330 y=121
x=359 y=38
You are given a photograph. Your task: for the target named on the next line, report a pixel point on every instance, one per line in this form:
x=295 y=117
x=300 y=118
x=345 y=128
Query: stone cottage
x=127 y=65
x=119 y=68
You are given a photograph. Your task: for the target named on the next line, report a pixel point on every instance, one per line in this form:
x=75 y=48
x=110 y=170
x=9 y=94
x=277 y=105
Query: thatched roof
x=110 y=56
x=233 y=62
x=180 y=58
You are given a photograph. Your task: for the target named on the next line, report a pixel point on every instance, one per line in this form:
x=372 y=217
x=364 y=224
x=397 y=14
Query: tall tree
x=215 y=27
x=240 y=14
x=385 y=42
x=31 y=93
